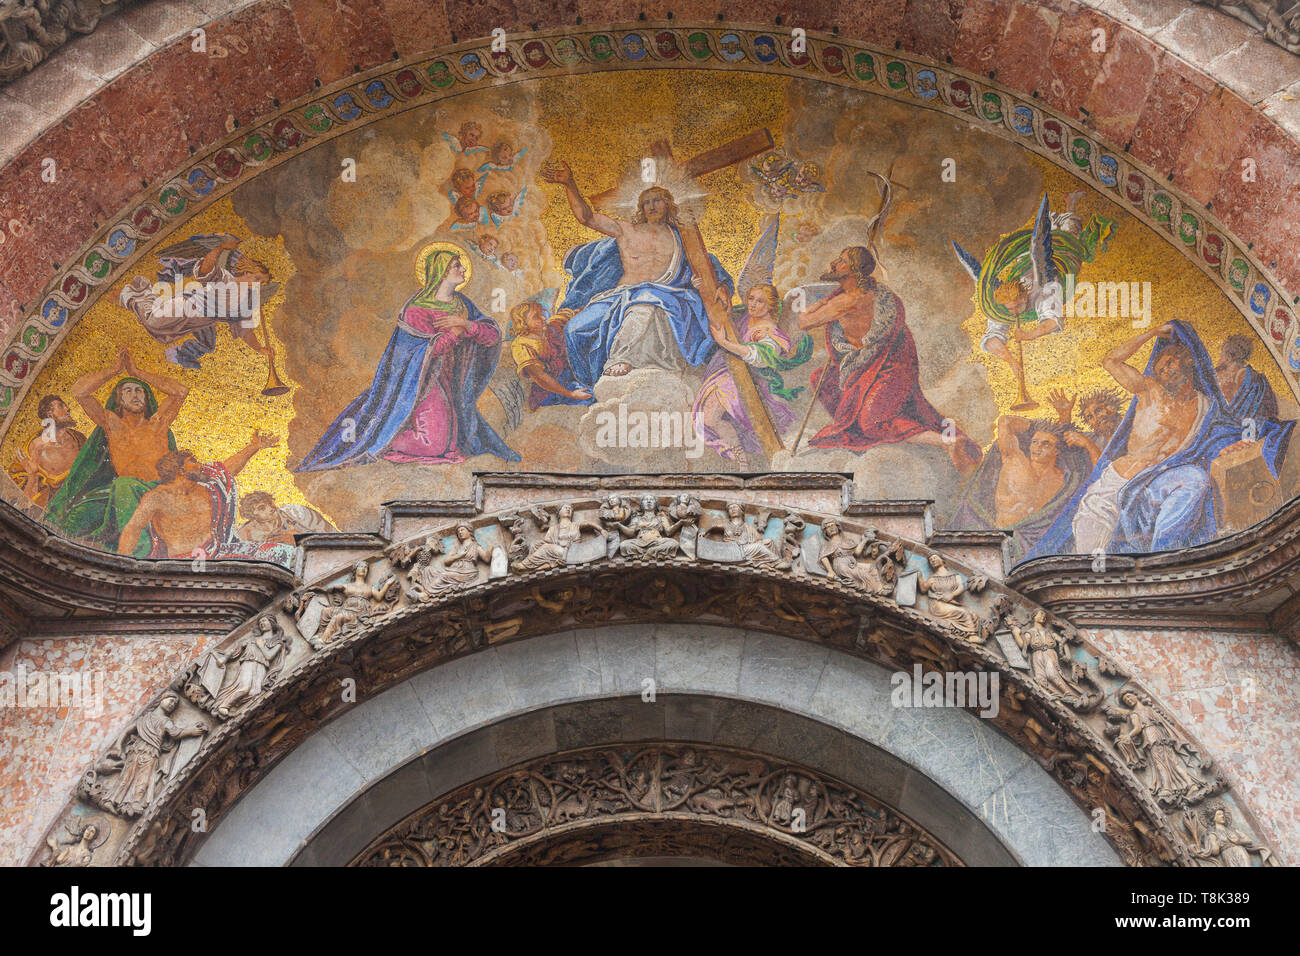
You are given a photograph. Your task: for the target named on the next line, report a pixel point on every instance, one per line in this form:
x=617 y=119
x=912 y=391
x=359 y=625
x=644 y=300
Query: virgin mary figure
x=422 y=405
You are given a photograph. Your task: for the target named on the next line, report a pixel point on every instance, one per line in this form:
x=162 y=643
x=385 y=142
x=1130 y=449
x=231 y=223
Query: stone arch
x=1105 y=739
x=487 y=714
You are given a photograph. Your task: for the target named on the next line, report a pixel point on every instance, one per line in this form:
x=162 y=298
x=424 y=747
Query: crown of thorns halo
x=672 y=176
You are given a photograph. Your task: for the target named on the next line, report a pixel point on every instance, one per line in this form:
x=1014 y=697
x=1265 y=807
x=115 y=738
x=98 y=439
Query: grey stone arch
x=819 y=618
x=944 y=768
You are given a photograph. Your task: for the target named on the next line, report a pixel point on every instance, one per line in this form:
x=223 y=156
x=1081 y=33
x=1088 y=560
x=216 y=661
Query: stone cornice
x=51 y=587
x=1247 y=581
x=395 y=613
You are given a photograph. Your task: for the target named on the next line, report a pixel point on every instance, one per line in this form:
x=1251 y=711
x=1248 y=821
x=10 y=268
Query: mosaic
x=655 y=271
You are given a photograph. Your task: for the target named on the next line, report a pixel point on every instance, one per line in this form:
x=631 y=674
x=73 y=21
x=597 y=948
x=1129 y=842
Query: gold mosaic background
x=602 y=125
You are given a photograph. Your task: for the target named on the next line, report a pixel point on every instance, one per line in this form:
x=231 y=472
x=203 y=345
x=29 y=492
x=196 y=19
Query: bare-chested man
x=191 y=511
x=117 y=464
x=49 y=455
x=1169 y=409
x=871 y=386
x=633 y=305
x=137 y=435
x=1102 y=410
x=1027 y=482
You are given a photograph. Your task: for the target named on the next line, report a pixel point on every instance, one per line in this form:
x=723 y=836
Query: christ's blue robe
x=595 y=270
x=366 y=428
x=1171 y=504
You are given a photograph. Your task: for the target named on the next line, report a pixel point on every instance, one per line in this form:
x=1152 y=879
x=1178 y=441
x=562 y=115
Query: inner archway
x=818 y=714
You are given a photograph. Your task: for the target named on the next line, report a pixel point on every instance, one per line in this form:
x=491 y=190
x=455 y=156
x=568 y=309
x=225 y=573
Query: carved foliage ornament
x=484 y=821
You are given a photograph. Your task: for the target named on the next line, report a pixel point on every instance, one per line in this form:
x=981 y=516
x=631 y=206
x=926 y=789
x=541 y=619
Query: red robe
x=879 y=400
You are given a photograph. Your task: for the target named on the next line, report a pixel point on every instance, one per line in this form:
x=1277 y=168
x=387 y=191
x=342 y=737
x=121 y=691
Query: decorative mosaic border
x=353 y=103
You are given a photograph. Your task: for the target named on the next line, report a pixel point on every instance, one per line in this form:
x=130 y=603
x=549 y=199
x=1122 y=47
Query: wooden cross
x=712 y=160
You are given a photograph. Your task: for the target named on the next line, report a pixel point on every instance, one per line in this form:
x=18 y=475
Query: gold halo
x=432 y=248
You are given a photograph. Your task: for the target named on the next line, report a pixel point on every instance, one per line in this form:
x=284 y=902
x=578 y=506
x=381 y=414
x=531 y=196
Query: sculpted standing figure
x=561 y=531
x=1047 y=652
x=756 y=549
x=944 y=588
x=840 y=557
x=219 y=687
x=1151 y=740
x=125 y=780
x=649 y=532
x=1222 y=844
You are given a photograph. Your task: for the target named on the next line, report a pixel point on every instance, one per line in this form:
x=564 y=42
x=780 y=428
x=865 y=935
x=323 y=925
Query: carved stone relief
x=481 y=823
x=592 y=561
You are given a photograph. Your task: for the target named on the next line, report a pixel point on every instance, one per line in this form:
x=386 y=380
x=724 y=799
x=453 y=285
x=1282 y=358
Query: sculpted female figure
x=257 y=660
x=944 y=588
x=459 y=568
x=840 y=557
x=649 y=533
x=358 y=595
x=1222 y=843
x=561 y=531
x=757 y=550
x=1150 y=740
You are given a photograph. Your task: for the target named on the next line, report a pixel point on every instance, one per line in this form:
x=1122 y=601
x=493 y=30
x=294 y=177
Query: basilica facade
x=547 y=434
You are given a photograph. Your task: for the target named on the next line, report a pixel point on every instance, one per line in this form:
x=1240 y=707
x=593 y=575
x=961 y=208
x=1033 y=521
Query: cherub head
x=467 y=209
x=470 y=133
x=501 y=203
x=462 y=181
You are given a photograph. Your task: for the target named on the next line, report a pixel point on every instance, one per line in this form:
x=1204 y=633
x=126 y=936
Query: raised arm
x=236 y=462
x=560 y=173
x=1116 y=360
x=1009 y=429
x=173 y=392
x=822 y=312
x=84 y=389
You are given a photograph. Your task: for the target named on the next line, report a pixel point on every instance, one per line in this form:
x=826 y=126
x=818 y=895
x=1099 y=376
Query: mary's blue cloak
x=1171 y=504
x=365 y=429
x=595 y=269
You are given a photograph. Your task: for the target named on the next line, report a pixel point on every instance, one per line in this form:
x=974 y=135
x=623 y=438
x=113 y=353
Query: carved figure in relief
x=757 y=550
x=125 y=780
x=649 y=532
x=78 y=847
x=561 y=531
x=360 y=600
x=459 y=567
x=1219 y=843
x=840 y=556
x=945 y=588
x=1147 y=740
x=222 y=680
x=1048 y=652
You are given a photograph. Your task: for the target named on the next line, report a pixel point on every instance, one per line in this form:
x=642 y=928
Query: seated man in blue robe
x=1246 y=390
x=1151 y=489
x=631 y=295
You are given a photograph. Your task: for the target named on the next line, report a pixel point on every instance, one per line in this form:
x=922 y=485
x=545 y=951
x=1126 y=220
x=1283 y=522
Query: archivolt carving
x=30 y=30
x=488 y=821
x=820 y=578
